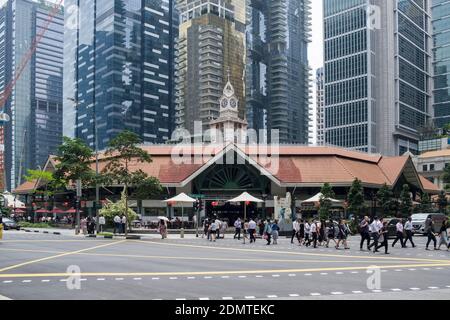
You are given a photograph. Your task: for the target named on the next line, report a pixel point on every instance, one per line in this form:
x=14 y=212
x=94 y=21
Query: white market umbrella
x=163 y=218
x=246 y=197
x=12 y=202
x=182 y=198
x=317 y=197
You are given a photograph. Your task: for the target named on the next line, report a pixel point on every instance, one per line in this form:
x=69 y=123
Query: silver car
x=418 y=221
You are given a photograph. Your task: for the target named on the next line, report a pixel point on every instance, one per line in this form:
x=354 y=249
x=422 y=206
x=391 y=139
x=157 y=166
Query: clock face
x=233 y=103
x=224 y=103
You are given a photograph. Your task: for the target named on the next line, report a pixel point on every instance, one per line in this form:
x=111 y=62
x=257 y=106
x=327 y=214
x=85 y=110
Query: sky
x=315 y=53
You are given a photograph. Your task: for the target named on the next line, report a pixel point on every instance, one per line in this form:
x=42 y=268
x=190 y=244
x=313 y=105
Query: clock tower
x=229 y=128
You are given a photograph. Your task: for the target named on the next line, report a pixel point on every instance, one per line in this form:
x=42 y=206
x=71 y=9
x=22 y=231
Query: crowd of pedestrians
x=316 y=232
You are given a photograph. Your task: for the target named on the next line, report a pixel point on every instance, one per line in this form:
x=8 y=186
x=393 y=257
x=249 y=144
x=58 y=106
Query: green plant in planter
x=111 y=209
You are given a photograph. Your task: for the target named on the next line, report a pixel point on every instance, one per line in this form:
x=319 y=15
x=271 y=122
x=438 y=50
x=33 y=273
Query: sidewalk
x=71 y=233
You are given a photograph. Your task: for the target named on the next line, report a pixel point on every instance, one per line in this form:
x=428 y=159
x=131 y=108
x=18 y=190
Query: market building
x=284 y=176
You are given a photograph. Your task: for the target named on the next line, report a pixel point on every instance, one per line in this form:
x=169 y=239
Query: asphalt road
x=36 y=266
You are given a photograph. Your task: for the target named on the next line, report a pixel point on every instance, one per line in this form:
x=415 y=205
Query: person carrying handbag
x=268 y=232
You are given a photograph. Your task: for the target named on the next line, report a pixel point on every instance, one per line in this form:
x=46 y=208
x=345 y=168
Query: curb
x=41 y=231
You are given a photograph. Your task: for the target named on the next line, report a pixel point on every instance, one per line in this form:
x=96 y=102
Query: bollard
x=1 y=231
x=182 y=233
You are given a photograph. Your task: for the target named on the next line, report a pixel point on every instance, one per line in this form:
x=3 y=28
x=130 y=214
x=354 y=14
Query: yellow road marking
x=58 y=256
x=210 y=273
x=291 y=253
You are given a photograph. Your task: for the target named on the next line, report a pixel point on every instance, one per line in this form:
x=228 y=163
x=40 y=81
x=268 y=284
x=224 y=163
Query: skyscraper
x=441 y=61
x=35 y=103
x=119 y=69
x=211 y=45
x=377 y=74
x=278 y=87
x=320 y=107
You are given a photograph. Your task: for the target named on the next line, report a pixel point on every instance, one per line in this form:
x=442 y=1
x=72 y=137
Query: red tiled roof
x=297 y=165
x=26 y=187
x=428 y=185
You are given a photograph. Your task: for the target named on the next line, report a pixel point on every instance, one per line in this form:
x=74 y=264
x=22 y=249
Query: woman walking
x=213 y=231
x=331 y=233
x=307 y=233
x=429 y=230
x=275 y=231
x=322 y=233
x=342 y=235
x=162 y=229
x=383 y=239
x=268 y=231
x=443 y=236
x=301 y=233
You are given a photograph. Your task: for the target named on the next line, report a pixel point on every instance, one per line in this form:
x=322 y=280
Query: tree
x=446 y=177
x=46 y=179
x=325 y=202
x=122 y=151
x=74 y=164
x=442 y=202
x=385 y=198
x=74 y=159
x=425 y=203
x=148 y=188
x=356 y=197
x=406 y=204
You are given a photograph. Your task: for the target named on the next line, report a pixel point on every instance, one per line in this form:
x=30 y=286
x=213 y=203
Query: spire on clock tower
x=229 y=125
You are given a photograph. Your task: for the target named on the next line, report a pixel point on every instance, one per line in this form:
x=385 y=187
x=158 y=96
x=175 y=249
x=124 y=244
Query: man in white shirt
x=295 y=231
x=117 y=222
x=313 y=234
x=409 y=232
x=399 y=228
x=101 y=222
x=374 y=229
x=219 y=226
x=307 y=233
x=252 y=230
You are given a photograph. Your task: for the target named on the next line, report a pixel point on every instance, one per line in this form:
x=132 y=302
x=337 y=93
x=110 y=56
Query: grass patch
x=41 y=225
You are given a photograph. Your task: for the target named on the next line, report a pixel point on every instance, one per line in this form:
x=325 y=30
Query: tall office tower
x=320 y=107
x=278 y=86
x=441 y=61
x=377 y=74
x=35 y=103
x=119 y=69
x=211 y=45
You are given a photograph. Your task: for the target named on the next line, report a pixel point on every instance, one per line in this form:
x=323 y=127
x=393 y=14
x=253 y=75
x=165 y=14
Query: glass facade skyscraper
x=278 y=75
x=119 y=68
x=35 y=103
x=441 y=61
x=377 y=74
x=211 y=47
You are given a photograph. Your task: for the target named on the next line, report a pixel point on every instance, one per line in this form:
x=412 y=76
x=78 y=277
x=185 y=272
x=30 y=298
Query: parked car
x=418 y=221
x=10 y=224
